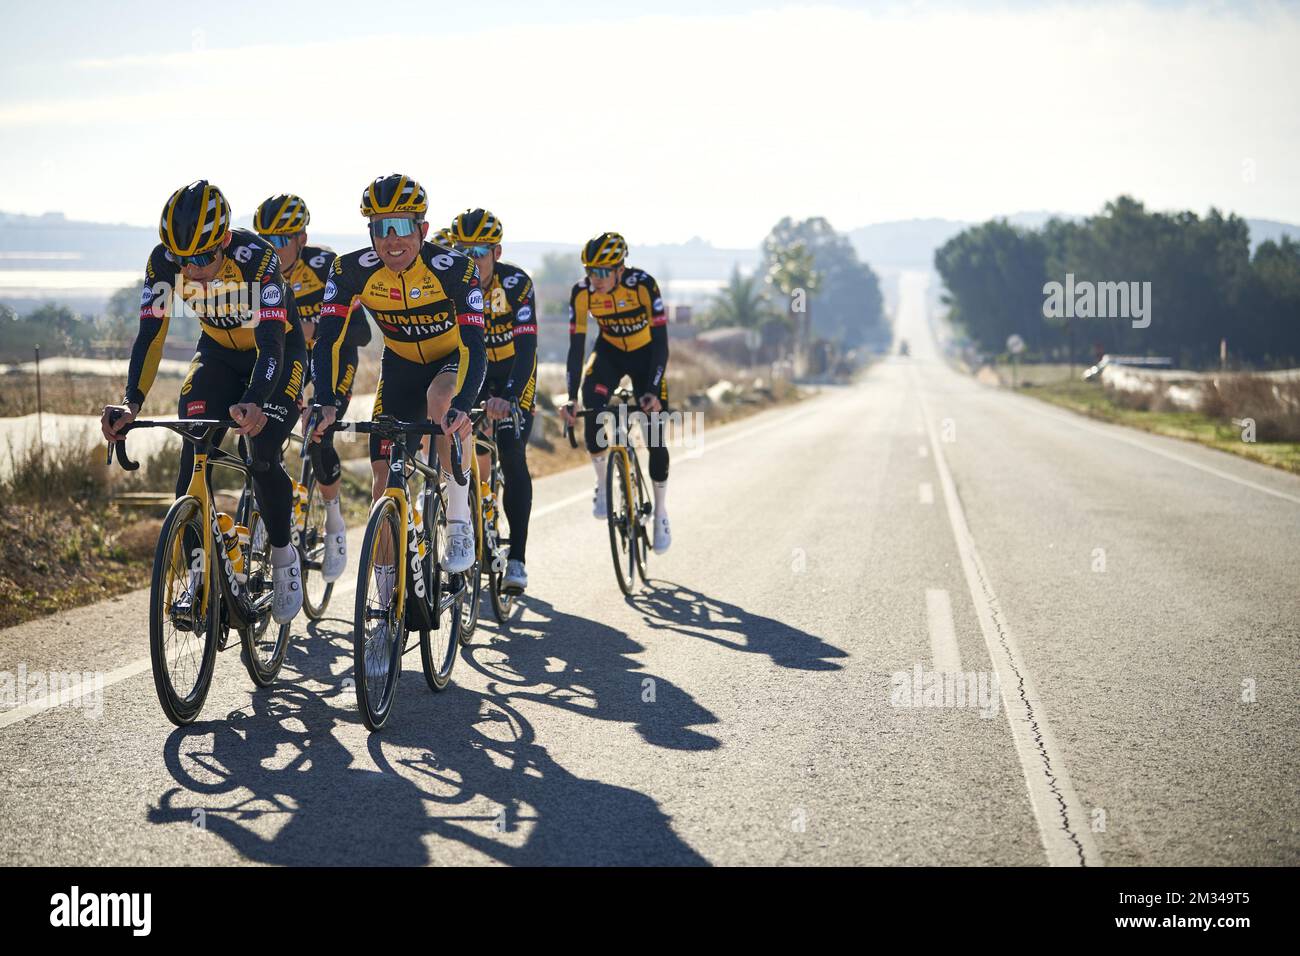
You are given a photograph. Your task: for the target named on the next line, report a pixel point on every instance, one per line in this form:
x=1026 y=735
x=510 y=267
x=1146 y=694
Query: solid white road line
x=944 y=654
x=1062 y=824
x=54 y=700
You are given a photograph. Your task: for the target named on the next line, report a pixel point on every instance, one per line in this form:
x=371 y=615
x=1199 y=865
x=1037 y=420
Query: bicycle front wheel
x=498 y=546
x=469 y=608
x=379 y=631
x=621 y=516
x=644 y=514
x=184 y=614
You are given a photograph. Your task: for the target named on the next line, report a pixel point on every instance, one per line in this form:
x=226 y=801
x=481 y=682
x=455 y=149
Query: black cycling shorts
x=403 y=391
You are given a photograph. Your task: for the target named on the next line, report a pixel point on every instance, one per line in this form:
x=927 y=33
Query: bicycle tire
x=644 y=515
x=469 y=608
x=312 y=540
x=184 y=513
x=503 y=602
x=439 y=661
x=376 y=702
x=622 y=535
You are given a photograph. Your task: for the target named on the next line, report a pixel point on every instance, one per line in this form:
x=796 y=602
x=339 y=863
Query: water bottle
x=230 y=538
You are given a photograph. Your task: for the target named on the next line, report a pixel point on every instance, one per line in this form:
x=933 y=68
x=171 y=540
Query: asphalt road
x=1119 y=611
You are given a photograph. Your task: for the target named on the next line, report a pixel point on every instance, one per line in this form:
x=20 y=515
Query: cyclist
x=428 y=305
x=250 y=363
x=282 y=221
x=510 y=314
x=633 y=341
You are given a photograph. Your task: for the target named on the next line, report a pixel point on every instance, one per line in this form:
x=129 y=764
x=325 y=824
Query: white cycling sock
x=283 y=557
x=457 y=498
x=598 y=462
x=661 y=492
x=334 y=516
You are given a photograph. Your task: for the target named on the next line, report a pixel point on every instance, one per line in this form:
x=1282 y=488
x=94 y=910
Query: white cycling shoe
x=663 y=534
x=599 y=509
x=515 y=579
x=286 y=583
x=335 y=561
x=458 y=556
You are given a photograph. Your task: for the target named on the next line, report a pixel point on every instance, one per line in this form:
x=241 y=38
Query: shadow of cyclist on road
x=280 y=785
x=588 y=668
x=675 y=607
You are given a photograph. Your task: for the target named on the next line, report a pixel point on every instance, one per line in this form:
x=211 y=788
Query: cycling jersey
x=630 y=318
x=246 y=307
x=307 y=279
x=510 y=318
x=425 y=313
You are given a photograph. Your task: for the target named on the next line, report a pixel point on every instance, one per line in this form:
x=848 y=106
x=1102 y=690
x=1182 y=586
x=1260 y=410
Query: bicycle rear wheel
x=620 y=515
x=184 y=614
x=265 y=643
x=642 y=518
x=498 y=546
x=316 y=590
x=379 y=631
x=439 y=645
x=469 y=607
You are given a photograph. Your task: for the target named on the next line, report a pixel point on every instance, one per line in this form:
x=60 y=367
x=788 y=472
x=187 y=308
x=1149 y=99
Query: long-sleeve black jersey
x=247 y=306
x=510 y=317
x=630 y=318
x=432 y=308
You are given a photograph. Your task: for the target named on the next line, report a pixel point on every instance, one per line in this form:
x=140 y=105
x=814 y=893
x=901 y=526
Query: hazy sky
x=661 y=122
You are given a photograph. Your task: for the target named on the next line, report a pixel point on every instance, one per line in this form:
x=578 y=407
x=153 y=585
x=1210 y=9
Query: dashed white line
x=944 y=653
x=1062 y=827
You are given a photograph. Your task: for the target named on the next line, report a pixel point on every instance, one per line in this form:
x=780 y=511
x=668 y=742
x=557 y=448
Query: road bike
x=308 y=531
x=211 y=574
x=401 y=584
x=627 y=499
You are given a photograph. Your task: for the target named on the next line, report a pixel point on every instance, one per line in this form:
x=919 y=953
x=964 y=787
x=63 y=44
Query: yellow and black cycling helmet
x=195 y=220
x=444 y=238
x=394 y=193
x=607 y=250
x=281 y=215
x=476 y=227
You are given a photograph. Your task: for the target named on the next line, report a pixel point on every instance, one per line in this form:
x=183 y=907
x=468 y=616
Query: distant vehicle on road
x=903 y=347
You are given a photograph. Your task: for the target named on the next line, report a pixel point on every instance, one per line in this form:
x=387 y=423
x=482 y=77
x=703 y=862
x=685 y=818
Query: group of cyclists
x=459 y=328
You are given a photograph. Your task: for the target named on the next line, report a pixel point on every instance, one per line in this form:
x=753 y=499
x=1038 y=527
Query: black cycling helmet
x=607 y=249
x=476 y=227
x=394 y=193
x=282 y=215
x=195 y=220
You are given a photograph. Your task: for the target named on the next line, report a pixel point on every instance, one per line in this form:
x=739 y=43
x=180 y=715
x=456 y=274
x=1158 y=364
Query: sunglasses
x=398 y=225
x=281 y=241
x=600 y=272
x=478 y=252
x=202 y=259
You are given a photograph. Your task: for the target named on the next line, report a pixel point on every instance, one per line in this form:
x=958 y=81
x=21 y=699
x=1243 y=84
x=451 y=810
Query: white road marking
x=1061 y=821
x=944 y=654
x=923 y=452
x=1117 y=432
x=926 y=491
x=55 y=700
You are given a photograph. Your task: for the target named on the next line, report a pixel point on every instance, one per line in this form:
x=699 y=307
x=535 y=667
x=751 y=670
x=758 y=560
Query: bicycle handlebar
x=187 y=428
x=388 y=427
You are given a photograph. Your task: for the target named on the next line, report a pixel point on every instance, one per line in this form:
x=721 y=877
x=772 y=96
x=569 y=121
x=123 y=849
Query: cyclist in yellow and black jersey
x=428 y=305
x=510 y=316
x=629 y=312
x=250 y=364
x=282 y=221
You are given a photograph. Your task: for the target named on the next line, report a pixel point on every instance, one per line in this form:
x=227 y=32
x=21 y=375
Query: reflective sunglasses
x=202 y=259
x=600 y=272
x=281 y=241
x=478 y=252
x=400 y=225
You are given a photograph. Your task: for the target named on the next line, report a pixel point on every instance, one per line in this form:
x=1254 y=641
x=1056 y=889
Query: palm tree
x=741 y=302
x=794 y=273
